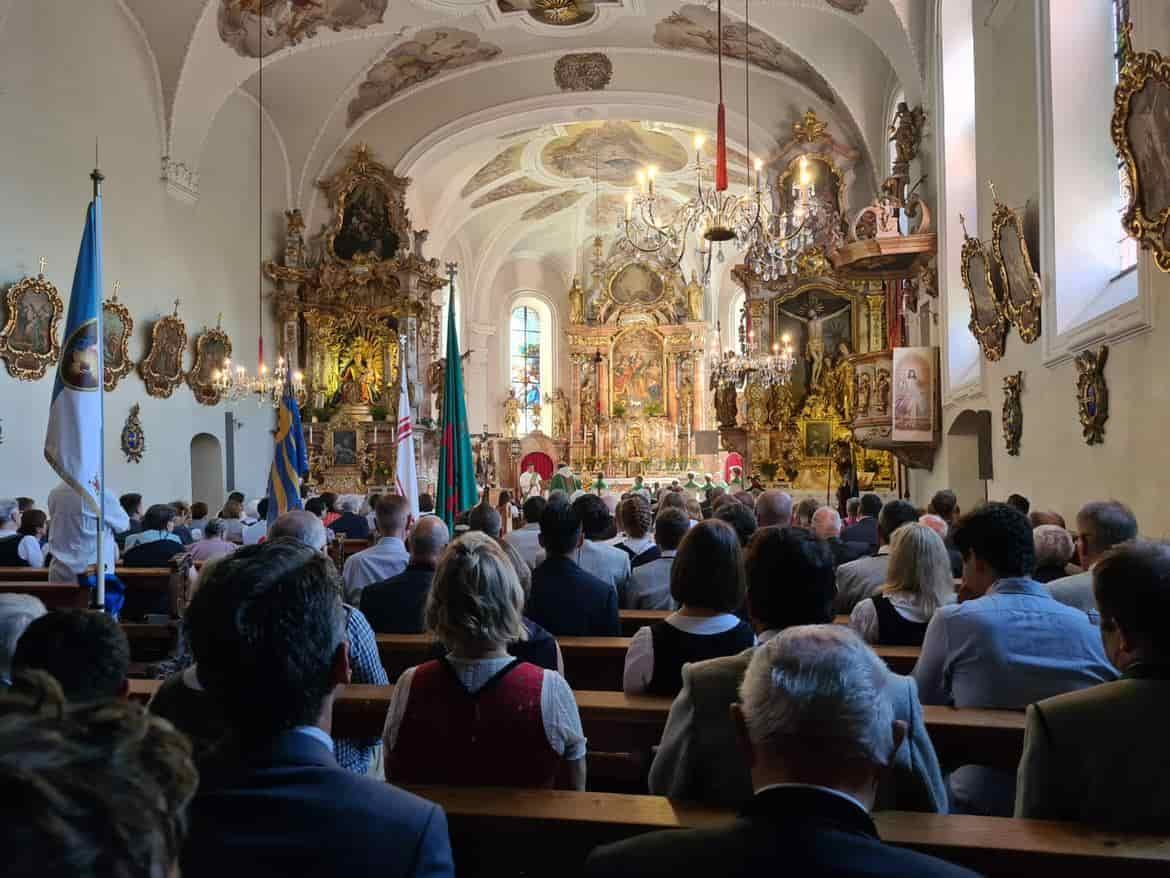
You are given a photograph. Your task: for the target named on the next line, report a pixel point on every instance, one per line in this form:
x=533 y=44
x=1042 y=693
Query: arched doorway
x=207 y=484
x=969 y=465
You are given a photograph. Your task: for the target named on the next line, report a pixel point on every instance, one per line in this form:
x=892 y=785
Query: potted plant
x=378 y=412
x=869 y=471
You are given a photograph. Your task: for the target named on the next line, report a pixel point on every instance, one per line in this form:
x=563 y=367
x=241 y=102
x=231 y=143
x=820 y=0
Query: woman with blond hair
x=479 y=716
x=918 y=582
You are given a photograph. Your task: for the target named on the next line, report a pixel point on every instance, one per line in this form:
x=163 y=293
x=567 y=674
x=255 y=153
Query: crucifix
x=485 y=465
x=117 y=286
x=44 y=264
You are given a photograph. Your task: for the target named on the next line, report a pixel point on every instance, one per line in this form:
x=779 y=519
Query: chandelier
x=267 y=388
x=772 y=242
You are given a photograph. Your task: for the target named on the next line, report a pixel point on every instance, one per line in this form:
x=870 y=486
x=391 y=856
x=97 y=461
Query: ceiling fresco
x=249 y=26
x=521 y=186
x=556 y=13
x=621 y=149
x=505 y=163
x=429 y=53
x=546 y=207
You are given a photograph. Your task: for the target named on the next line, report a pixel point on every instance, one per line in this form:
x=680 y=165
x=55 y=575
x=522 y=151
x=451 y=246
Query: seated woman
x=212 y=545
x=30 y=534
x=707 y=583
x=918 y=583
x=636 y=519
x=1054 y=549
x=479 y=716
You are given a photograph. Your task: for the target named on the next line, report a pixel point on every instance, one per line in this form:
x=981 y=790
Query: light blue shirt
x=1010 y=648
x=317 y=734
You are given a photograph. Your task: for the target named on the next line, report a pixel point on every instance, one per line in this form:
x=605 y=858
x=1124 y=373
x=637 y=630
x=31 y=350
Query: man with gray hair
x=826 y=527
x=351 y=523
x=16 y=550
x=17 y=612
x=803 y=516
x=1101 y=525
x=817 y=726
x=395 y=605
x=774 y=509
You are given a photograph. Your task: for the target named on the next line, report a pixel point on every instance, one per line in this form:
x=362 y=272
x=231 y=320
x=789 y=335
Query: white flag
x=405 y=475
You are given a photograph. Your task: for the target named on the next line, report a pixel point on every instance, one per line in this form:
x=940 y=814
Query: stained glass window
x=524 y=363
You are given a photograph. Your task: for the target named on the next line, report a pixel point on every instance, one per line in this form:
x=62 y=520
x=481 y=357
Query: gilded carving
x=1013 y=413
x=583 y=71
x=213 y=349
x=28 y=342
x=988 y=323
x=1021 y=285
x=133 y=438
x=117 y=327
x=162 y=368
x=1092 y=393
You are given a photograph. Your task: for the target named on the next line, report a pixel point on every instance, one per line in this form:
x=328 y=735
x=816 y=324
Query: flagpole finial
x=98 y=177
x=452 y=270
x=44 y=263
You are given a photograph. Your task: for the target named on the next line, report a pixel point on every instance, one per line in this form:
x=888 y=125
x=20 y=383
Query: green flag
x=457 y=489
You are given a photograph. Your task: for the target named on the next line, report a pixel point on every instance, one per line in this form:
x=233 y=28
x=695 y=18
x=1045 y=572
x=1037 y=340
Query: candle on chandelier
x=629 y=205
x=651 y=172
x=642 y=182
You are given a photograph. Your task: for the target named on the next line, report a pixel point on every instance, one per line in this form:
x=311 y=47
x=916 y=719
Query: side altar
x=636 y=344
x=354 y=309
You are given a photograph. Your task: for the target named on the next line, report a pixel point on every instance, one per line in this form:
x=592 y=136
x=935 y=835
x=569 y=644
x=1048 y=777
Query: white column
x=483 y=401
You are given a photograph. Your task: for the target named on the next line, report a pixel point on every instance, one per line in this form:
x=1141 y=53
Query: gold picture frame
x=162 y=368
x=344 y=455
x=1022 y=292
x=1013 y=413
x=370 y=219
x=28 y=343
x=212 y=348
x=1092 y=393
x=988 y=323
x=816 y=439
x=1139 y=126
x=117 y=327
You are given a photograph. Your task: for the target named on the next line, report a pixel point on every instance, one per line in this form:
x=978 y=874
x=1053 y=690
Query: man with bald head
x=774 y=509
x=395 y=605
x=826 y=527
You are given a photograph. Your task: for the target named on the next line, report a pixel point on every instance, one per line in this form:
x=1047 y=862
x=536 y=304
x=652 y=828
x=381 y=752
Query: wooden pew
x=151 y=643
x=55 y=595
x=632 y=620
x=619 y=723
x=24 y=574
x=496 y=831
x=590 y=662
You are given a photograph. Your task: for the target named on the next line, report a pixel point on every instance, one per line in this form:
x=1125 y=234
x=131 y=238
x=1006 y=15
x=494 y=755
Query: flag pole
x=100 y=603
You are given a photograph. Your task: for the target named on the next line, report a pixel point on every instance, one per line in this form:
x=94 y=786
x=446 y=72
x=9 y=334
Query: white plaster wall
x=72 y=72
x=1056 y=469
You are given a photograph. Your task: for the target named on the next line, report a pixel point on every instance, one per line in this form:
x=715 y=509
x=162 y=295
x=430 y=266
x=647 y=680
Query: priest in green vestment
x=564 y=480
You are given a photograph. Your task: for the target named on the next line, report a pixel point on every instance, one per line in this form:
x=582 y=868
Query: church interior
x=829 y=248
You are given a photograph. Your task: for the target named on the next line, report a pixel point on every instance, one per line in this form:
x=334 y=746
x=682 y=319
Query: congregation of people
x=781 y=710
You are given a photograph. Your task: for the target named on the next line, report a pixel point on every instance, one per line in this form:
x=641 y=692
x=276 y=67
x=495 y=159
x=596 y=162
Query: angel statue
x=559 y=406
x=906 y=132
x=843 y=382
x=511 y=414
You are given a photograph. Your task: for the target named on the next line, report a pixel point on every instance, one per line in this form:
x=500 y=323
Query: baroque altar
x=354 y=307
x=636 y=342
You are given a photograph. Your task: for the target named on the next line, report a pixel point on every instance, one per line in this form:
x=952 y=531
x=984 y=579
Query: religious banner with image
x=915 y=382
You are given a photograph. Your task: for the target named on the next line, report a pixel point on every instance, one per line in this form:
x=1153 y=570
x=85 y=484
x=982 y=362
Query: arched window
x=525 y=334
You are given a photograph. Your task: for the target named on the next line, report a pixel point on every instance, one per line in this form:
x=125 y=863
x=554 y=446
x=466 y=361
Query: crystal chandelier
x=235 y=385
x=773 y=368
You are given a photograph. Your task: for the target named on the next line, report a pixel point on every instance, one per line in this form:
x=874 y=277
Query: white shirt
x=529 y=484
x=650 y=585
x=254 y=532
x=29 y=548
x=864 y=618
x=526 y=541
x=388 y=558
x=639 y=668
x=73 y=530
x=558 y=707
x=233 y=530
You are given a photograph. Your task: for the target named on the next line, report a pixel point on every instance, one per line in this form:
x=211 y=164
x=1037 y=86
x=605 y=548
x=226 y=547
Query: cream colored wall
x=1055 y=468
x=72 y=72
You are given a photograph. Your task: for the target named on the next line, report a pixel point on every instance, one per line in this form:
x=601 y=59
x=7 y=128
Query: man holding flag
x=290 y=462
x=457 y=490
x=81 y=507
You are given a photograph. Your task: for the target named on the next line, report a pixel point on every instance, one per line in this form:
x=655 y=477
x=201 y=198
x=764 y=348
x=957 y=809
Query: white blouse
x=558 y=707
x=864 y=618
x=639 y=670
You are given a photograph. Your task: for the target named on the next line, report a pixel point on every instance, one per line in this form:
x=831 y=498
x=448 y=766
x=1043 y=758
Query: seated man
x=790 y=583
x=257 y=530
x=858 y=580
x=485 y=519
x=1100 y=526
x=826 y=527
x=17 y=612
x=87 y=653
x=566 y=600
x=608 y=563
x=865 y=529
x=650 y=589
x=276 y=803
x=1096 y=756
x=350 y=523
x=395 y=605
x=527 y=539
x=1005 y=646
x=817 y=728
x=385 y=559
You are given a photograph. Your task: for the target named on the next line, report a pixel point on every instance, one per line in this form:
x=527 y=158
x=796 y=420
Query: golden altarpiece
x=839 y=301
x=635 y=344
x=353 y=308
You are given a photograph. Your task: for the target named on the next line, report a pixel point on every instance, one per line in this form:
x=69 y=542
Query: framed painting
x=820 y=323
x=212 y=349
x=1021 y=284
x=1141 y=133
x=988 y=323
x=915 y=391
x=638 y=373
x=162 y=369
x=818 y=439
x=344 y=451
x=117 y=327
x=28 y=342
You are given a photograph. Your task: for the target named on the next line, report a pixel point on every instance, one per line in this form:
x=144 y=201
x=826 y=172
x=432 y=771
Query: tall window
x=1127 y=246
x=524 y=362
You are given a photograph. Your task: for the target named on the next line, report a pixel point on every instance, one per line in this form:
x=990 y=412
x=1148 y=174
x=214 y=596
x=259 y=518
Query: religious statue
x=882 y=391
x=779 y=404
x=686 y=401
x=864 y=388
x=725 y=404
x=559 y=404
x=534 y=414
x=511 y=414
x=815 y=349
x=588 y=402
x=294 y=245
x=756 y=395
x=695 y=299
x=357 y=379
x=842 y=383
x=634 y=446
x=576 y=302
x=906 y=132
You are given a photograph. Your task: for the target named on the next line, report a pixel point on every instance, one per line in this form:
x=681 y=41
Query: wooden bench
x=24 y=574
x=496 y=831
x=54 y=595
x=590 y=662
x=632 y=620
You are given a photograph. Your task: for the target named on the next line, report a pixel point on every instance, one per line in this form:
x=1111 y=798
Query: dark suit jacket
x=864 y=532
x=395 y=605
x=289 y=809
x=572 y=603
x=355 y=527
x=795 y=831
x=844 y=552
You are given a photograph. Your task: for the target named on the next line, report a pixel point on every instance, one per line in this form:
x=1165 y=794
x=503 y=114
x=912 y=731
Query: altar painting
x=914 y=394
x=818 y=323
x=638 y=374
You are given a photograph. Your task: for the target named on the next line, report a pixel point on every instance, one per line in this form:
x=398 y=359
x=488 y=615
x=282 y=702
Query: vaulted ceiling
x=474 y=100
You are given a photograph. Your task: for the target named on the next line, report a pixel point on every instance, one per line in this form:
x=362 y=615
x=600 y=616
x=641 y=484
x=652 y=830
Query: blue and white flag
x=290 y=463
x=73 y=439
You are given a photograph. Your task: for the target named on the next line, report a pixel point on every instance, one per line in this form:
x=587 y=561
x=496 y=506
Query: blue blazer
x=572 y=603
x=289 y=809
